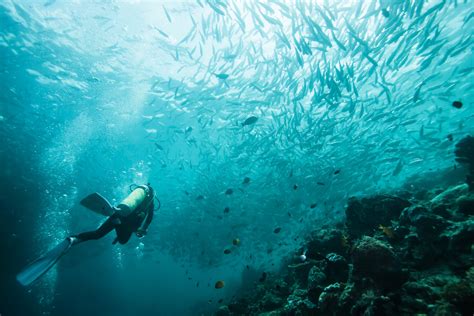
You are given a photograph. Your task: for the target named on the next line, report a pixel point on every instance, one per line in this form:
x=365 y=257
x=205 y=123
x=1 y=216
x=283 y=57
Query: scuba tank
x=140 y=197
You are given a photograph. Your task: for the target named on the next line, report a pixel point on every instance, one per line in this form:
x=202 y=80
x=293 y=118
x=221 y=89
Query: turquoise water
x=313 y=102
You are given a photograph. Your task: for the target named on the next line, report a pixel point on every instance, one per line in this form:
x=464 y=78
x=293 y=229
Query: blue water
x=351 y=98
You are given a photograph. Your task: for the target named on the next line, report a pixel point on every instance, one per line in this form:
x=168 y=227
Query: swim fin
x=97 y=203
x=43 y=264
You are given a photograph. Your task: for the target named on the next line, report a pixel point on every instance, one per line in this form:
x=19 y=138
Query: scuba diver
x=133 y=215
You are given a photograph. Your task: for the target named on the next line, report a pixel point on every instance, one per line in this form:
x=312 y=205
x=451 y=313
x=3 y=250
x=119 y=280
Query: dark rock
x=443 y=210
x=400 y=232
x=372 y=304
x=347 y=299
x=281 y=287
x=375 y=259
x=433 y=239
x=429 y=226
x=410 y=213
x=316 y=283
x=299 y=272
x=325 y=241
x=465 y=154
x=420 y=290
x=316 y=278
x=443 y=308
x=299 y=304
x=240 y=307
x=330 y=298
x=465 y=150
x=425 y=256
x=461 y=236
x=365 y=215
x=412 y=239
x=382 y=305
x=223 y=311
x=461 y=295
x=445 y=201
x=271 y=301
x=411 y=305
x=337 y=268
x=466 y=205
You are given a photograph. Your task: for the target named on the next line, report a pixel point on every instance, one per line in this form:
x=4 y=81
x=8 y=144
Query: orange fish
x=387 y=231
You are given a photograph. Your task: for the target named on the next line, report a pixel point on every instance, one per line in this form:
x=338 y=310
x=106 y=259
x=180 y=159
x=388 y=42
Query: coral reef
x=393 y=256
x=465 y=155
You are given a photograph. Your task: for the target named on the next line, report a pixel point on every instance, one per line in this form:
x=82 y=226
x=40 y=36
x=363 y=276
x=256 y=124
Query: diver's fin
x=43 y=264
x=97 y=203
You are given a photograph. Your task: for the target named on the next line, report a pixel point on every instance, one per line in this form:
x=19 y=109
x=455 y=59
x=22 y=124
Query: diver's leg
x=100 y=232
x=123 y=234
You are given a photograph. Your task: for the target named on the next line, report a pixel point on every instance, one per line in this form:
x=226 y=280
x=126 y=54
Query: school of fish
x=255 y=119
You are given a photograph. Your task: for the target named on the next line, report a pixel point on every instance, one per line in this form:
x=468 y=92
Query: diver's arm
x=149 y=218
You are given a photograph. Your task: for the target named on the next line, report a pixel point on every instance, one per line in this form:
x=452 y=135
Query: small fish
x=236 y=242
x=337 y=171
x=158 y=146
x=167 y=14
x=226 y=209
x=222 y=76
x=199 y=198
x=163 y=33
x=313 y=205
x=227 y=251
x=277 y=230
x=229 y=191
x=250 y=120
x=220 y=301
x=219 y=284
x=295 y=187
x=457 y=104
x=246 y=180
x=387 y=231
x=197 y=284
x=263 y=277
x=385 y=13
x=320 y=183
x=450 y=137
x=289 y=214
x=48 y=3
x=398 y=168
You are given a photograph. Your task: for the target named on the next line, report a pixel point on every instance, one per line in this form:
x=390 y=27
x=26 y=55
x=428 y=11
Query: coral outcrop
x=393 y=256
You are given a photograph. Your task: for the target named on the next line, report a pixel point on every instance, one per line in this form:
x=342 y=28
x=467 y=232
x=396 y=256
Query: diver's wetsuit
x=123 y=225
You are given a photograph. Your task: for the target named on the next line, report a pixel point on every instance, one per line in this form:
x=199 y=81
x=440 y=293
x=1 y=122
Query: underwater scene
x=236 y=157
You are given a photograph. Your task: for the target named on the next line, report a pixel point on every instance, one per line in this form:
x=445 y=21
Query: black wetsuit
x=123 y=225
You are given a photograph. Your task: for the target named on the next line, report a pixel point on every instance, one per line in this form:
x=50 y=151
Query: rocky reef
x=465 y=155
x=401 y=254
